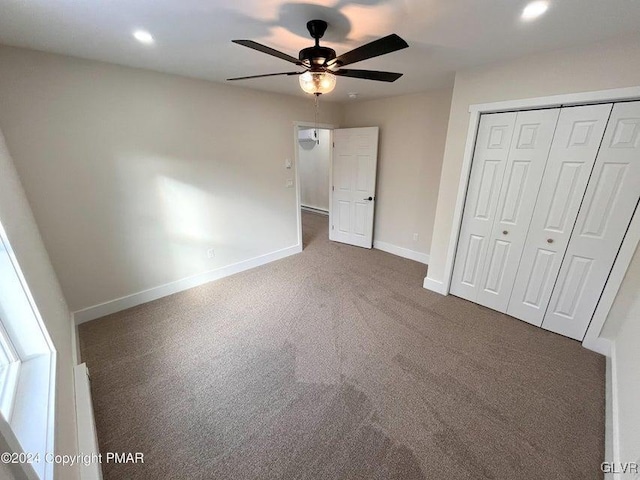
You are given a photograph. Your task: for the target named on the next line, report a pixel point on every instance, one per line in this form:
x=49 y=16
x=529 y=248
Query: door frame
x=592 y=340
x=296 y=156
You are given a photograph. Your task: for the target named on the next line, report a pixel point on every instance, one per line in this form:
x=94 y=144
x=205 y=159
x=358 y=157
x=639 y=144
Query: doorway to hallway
x=314 y=159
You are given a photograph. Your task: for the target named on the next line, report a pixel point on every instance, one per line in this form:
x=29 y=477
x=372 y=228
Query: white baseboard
x=75 y=341
x=615 y=425
x=434 y=285
x=608 y=420
x=86 y=425
x=599 y=345
x=319 y=211
x=122 y=303
x=401 y=252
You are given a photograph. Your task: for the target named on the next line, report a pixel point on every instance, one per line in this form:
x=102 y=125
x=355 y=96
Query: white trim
x=401 y=252
x=86 y=425
x=51 y=412
x=331 y=183
x=296 y=128
x=599 y=345
x=8 y=387
x=615 y=414
x=608 y=417
x=27 y=344
x=434 y=285
x=122 y=303
x=31 y=424
x=10 y=370
x=322 y=126
x=33 y=417
x=474 y=121
x=563 y=100
x=10 y=440
x=592 y=341
x=75 y=342
x=319 y=211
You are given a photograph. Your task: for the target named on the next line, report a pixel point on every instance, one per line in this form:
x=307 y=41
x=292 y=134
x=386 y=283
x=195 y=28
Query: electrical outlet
x=415 y=237
x=211 y=253
x=289 y=183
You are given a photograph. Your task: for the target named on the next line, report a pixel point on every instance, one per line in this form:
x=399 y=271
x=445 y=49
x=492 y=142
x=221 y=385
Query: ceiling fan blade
x=266 y=75
x=369 y=75
x=382 y=46
x=268 y=50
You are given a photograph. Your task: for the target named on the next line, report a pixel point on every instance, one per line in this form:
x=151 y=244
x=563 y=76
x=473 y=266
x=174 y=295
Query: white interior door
x=609 y=202
x=355 y=159
x=524 y=169
x=573 y=153
x=489 y=159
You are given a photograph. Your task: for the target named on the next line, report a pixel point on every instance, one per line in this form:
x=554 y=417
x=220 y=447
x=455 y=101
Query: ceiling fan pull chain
x=317 y=116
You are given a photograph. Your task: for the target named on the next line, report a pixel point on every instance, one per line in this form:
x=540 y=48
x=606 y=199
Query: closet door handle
x=505 y=232
x=549 y=240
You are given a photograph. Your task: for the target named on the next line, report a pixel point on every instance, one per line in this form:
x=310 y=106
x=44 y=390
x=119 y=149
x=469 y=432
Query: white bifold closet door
x=525 y=166
x=573 y=152
x=608 y=206
x=550 y=198
x=489 y=159
x=501 y=198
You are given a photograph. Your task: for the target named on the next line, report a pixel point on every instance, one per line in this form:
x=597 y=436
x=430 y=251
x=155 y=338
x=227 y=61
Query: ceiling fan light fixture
x=317 y=82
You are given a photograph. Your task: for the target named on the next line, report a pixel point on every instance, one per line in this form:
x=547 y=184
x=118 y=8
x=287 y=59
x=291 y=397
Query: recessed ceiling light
x=143 y=37
x=534 y=10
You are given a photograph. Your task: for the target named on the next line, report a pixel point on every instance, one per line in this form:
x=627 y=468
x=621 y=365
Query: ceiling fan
x=322 y=65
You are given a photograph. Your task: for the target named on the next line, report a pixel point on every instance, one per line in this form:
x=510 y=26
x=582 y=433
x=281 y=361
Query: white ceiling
x=193 y=37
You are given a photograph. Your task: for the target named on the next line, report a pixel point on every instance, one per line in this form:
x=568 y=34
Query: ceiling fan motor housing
x=317 y=56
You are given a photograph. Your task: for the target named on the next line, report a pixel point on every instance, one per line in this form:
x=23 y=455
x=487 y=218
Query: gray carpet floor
x=337 y=364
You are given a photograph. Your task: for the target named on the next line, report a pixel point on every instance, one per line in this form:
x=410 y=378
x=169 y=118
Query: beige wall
x=23 y=234
x=412 y=135
x=611 y=64
x=133 y=175
x=623 y=329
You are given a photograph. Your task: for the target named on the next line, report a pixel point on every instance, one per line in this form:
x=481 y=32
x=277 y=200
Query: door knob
x=368 y=198
x=505 y=232
x=549 y=240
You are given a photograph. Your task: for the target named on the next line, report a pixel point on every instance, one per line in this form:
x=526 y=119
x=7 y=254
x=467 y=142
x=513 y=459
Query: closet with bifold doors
x=551 y=194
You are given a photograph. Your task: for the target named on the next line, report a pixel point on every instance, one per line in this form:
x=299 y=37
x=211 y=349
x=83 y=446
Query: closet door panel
x=573 y=153
x=611 y=198
x=489 y=159
x=533 y=134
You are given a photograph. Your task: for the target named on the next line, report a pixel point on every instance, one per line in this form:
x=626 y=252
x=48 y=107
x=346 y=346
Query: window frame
x=9 y=370
x=27 y=391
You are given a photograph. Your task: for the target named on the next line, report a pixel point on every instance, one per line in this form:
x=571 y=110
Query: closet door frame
x=592 y=340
